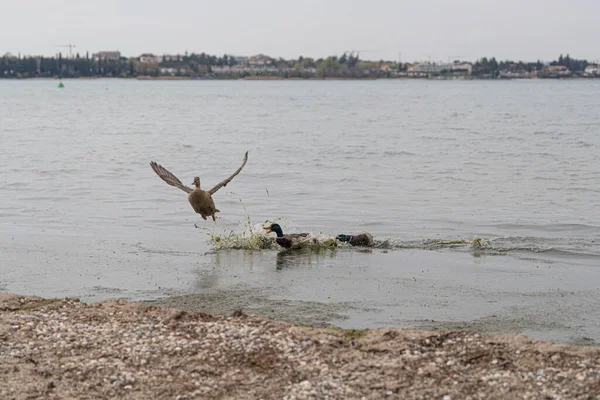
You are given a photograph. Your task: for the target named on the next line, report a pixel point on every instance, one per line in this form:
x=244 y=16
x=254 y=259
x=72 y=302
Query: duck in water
x=364 y=239
x=200 y=200
x=289 y=240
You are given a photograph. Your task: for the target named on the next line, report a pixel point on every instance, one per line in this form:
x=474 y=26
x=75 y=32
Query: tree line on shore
x=485 y=66
x=198 y=65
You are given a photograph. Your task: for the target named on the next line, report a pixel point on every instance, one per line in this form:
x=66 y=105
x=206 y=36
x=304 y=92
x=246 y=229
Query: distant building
x=148 y=58
x=385 y=66
x=107 y=56
x=260 y=60
x=240 y=70
x=146 y=68
x=517 y=74
x=557 y=69
x=240 y=60
x=168 y=71
x=170 y=57
x=592 y=70
x=222 y=70
x=429 y=68
x=463 y=66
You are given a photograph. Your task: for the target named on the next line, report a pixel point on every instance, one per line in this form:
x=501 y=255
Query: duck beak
x=267 y=229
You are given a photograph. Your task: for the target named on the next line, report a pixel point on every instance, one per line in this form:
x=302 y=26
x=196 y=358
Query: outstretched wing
x=226 y=181
x=169 y=177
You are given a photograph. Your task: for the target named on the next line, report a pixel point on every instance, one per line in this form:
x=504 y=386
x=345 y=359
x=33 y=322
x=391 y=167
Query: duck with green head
x=288 y=240
x=363 y=239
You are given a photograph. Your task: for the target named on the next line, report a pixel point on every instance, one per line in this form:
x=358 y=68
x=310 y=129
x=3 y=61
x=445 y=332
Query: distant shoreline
x=280 y=78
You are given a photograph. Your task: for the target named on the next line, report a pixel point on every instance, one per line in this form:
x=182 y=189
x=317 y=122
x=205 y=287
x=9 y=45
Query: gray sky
x=515 y=29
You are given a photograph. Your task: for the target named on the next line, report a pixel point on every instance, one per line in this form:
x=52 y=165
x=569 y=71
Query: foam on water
x=252 y=236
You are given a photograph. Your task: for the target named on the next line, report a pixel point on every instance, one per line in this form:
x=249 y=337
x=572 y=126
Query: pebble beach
x=67 y=349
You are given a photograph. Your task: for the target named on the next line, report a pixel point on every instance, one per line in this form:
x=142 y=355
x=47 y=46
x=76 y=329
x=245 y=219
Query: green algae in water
x=480 y=243
x=248 y=236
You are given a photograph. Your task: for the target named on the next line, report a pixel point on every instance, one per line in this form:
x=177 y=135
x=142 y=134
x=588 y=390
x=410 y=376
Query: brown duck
x=200 y=200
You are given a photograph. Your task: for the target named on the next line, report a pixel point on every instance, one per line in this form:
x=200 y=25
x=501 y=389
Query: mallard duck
x=289 y=240
x=362 y=239
x=200 y=200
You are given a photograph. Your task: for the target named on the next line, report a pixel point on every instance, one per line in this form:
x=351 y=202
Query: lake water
x=417 y=163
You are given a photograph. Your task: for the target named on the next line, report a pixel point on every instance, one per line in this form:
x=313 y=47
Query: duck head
x=196 y=182
x=274 y=228
x=343 y=238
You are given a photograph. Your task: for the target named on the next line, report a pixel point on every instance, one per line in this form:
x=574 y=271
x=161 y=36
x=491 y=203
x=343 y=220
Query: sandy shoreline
x=67 y=349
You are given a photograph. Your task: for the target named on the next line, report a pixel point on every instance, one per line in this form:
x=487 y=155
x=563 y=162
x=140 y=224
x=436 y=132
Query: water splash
x=252 y=236
x=497 y=245
x=249 y=236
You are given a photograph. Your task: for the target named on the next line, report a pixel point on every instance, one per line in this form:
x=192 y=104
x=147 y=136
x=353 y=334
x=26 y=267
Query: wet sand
x=62 y=348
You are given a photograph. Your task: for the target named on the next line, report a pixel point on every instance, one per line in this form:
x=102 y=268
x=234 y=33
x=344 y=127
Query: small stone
x=127 y=387
x=447 y=397
x=305 y=384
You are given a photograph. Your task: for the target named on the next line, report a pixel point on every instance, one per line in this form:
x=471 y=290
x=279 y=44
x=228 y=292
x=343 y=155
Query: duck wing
x=296 y=235
x=290 y=240
x=226 y=181
x=169 y=177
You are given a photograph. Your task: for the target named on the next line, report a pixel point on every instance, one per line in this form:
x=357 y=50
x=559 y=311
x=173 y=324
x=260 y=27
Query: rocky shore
x=65 y=349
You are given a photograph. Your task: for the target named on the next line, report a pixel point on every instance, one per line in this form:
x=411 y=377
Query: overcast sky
x=419 y=30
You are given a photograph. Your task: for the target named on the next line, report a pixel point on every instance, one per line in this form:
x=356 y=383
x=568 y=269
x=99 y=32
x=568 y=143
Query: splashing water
x=252 y=236
x=247 y=238
x=433 y=244
x=480 y=243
